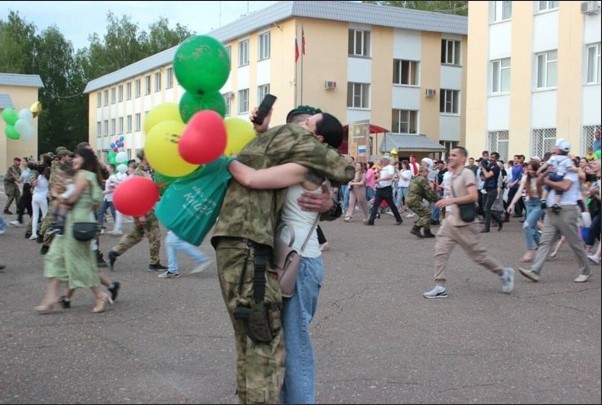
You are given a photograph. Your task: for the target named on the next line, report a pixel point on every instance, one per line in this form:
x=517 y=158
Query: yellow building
x=17 y=92
x=400 y=69
x=533 y=76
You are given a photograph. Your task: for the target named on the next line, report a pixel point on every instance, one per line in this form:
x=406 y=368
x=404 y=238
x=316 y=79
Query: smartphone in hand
x=264 y=109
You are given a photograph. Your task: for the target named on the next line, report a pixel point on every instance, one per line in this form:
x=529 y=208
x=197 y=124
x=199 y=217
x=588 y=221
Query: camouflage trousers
x=150 y=229
x=259 y=367
x=424 y=214
x=13 y=193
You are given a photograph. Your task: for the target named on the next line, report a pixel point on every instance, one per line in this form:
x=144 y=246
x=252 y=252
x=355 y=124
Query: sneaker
x=324 y=247
x=347 y=219
x=594 y=258
x=582 y=278
x=16 y=223
x=112 y=259
x=369 y=223
x=156 y=267
x=44 y=249
x=65 y=302
x=398 y=222
x=169 y=274
x=438 y=292
x=410 y=215
x=531 y=275
x=507 y=279
x=33 y=237
x=201 y=267
x=115 y=233
x=114 y=290
x=8 y=212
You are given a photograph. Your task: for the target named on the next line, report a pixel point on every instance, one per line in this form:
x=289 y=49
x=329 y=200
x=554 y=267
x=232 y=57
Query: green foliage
x=446 y=7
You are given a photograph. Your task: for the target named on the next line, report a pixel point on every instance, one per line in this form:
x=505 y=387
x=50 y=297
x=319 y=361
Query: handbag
x=468 y=212
x=84 y=231
x=286 y=259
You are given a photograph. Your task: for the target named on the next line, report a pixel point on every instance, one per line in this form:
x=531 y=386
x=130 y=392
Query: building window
x=138 y=88
x=98 y=129
x=588 y=137
x=147 y=85
x=229 y=51
x=106 y=125
x=228 y=101
x=121 y=125
x=261 y=92
x=113 y=95
x=264 y=46
x=546 y=5
x=542 y=141
x=405 y=72
x=547 y=65
x=138 y=122
x=113 y=126
x=128 y=91
x=359 y=43
x=358 y=95
x=502 y=11
x=243 y=101
x=169 y=78
x=500 y=76
x=405 y=122
x=157 y=81
x=498 y=142
x=120 y=93
x=129 y=123
x=98 y=99
x=593 y=63
x=106 y=97
x=450 y=52
x=243 y=53
x=449 y=102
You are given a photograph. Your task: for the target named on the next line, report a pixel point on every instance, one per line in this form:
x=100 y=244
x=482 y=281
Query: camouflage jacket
x=420 y=189
x=145 y=172
x=253 y=214
x=12 y=174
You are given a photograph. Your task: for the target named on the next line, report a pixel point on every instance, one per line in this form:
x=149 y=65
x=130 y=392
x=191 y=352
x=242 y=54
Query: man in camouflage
x=11 y=186
x=244 y=238
x=420 y=189
x=145 y=225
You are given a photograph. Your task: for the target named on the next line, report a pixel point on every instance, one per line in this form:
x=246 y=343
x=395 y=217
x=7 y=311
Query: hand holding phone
x=264 y=108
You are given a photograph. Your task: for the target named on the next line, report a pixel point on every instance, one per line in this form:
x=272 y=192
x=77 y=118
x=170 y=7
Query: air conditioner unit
x=431 y=92
x=590 y=7
x=328 y=85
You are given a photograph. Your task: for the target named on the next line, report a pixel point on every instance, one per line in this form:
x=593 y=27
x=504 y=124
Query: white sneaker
x=16 y=223
x=33 y=237
x=594 y=258
x=115 y=233
x=410 y=215
x=438 y=292
x=201 y=267
x=507 y=279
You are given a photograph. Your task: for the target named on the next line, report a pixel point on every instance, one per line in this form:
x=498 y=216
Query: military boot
x=416 y=231
x=428 y=234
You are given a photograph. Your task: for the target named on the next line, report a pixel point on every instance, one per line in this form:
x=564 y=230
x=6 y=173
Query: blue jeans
x=174 y=244
x=103 y=209
x=534 y=214
x=345 y=192
x=3 y=225
x=369 y=193
x=297 y=312
x=402 y=192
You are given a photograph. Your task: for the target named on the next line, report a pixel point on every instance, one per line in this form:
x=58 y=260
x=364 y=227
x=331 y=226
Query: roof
x=14 y=79
x=6 y=101
x=353 y=12
x=410 y=143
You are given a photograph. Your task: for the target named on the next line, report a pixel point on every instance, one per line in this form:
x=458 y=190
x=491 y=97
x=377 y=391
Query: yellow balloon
x=36 y=108
x=239 y=132
x=160 y=113
x=161 y=149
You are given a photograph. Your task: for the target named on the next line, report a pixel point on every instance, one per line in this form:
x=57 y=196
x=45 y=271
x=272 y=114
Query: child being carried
x=63 y=187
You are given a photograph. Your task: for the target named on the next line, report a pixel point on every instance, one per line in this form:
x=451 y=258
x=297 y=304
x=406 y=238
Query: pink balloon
x=204 y=138
x=136 y=196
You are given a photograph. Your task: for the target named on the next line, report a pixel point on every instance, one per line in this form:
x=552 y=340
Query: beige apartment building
x=533 y=76
x=398 y=69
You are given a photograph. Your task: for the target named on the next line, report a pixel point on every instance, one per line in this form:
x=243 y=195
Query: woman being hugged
x=69 y=260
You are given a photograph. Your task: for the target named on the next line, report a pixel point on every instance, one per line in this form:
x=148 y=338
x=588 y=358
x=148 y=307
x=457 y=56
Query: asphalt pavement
x=376 y=339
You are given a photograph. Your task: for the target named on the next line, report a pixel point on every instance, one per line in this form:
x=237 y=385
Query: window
x=500 y=76
x=450 y=52
x=405 y=122
x=98 y=99
x=449 y=102
x=138 y=126
x=264 y=46
x=121 y=125
x=120 y=93
x=547 y=5
x=113 y=126
x=261 y=92
x=498 y=142
x=98 y=129
x=128 y=91
x=129 y=123
x=229 y=52
x=358 y=95
x=106 y=125
x=405 y=72
x=169 y=79
x=228 y=101
x=106 y=97
x=502 y=10
x=243 y=53
x=593 y=63
x=243 y=101
x=147 y=85
x=546 y=69
x=542 y=141
x=157 y=82
x=138 y=88
x=588 y=137
x=359 y=43
x=113 y=96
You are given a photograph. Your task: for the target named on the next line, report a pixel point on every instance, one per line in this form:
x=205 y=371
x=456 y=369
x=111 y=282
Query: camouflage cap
x=302 y=109
x=62 y=151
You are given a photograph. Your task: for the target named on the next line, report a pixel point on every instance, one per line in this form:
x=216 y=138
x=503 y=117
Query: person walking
x=403 y=183
x=455 y=231
x=174 y=244
x=420 y=189
x=11 y=185
x=490 y=172
x=26 y=197
x=384 y=191
x=107 y=202
x=357 y=196
x=39 y=200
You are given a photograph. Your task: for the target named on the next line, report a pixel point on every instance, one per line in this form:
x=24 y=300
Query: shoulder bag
x=85 y=231
x=468 y=212
x=286 y=259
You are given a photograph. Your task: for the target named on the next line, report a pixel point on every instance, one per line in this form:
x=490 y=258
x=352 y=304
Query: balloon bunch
x=20 y=125
x=116 y=146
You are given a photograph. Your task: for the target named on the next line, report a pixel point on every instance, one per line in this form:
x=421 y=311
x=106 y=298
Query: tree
x=446 y=7
x=18 y=45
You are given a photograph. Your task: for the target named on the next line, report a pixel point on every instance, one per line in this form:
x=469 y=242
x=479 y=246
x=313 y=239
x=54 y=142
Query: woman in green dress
x=69 y=260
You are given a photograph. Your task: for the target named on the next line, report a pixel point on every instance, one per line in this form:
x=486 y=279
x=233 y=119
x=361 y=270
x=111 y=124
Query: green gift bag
x=190 y=206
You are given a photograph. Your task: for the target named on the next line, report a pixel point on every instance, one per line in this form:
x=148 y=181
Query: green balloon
x=11 y=132
x=10 y=116
x=112 y=158
x=201 y=64
x=191 y=104
x=597 y=153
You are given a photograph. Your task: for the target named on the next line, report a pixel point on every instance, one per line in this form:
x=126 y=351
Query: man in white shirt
x=384 y=191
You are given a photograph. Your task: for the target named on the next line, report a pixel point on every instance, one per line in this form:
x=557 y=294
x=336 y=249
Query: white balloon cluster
x=121 y=158
x=24 y=124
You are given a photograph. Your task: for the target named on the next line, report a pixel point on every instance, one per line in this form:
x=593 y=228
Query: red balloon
x=136 y=196
x=204 y=138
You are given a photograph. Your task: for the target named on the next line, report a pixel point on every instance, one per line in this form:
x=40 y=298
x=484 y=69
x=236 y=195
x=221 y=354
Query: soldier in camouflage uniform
x=145 y=225
x=244 y=238
x=420 y=189
x=11 y=188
